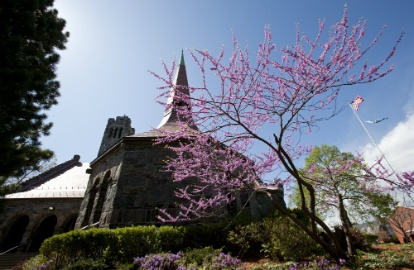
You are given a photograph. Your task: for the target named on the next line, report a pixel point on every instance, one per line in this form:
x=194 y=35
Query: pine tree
x=30 y=34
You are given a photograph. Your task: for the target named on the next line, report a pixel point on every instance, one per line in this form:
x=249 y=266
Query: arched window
x=120 y=132
x=110 y=132
x=90 y=204
x=101 y=196
x=15 y=235
x=70 y=224
x=45 y=230
x=116 y=130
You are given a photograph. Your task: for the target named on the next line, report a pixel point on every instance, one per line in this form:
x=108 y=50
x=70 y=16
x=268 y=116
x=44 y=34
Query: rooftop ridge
x=49 y=174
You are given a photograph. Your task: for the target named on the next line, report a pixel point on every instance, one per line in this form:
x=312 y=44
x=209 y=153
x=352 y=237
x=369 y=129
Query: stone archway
x=101 y=197
x=45 y=230
x=15 y=234
x=69 y=224
x=90 y=198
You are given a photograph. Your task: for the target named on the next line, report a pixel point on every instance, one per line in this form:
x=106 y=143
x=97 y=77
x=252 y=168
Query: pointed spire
x=182 y=63
x=171 y=117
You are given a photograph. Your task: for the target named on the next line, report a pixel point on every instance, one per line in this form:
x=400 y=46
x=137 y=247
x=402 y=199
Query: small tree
x=342 y=186
x=30 y=33
x=267 y=105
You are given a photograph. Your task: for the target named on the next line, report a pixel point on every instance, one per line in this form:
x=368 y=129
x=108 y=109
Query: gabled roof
x=68 y=179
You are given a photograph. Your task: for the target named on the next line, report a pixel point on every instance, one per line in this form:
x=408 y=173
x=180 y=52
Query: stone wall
x=128 y=185
x=34 y=211
x=101 y=187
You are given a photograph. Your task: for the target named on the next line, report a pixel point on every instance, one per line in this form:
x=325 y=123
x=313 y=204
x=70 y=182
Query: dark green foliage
x=203 y=235
x=87 y=264
x=7 y=188
x=117 y=245
x=371 y=239
x=30 y=33
x=246 y=240
x=358 y=239
x=199 y=256
x=66 y=249
x=277 y=237
x=142 y=240
x=286 y=241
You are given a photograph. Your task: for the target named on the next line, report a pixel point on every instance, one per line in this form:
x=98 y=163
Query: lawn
x=380 y=256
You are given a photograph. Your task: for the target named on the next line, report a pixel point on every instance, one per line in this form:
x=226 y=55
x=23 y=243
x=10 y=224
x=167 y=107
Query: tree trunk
x=346 y=226
x=333 y=250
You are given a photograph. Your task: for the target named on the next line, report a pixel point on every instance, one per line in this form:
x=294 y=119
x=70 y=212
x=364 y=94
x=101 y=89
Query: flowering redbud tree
x=251 y=118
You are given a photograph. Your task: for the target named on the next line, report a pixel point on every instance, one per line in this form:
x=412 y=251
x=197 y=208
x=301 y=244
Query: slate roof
x=66 y=180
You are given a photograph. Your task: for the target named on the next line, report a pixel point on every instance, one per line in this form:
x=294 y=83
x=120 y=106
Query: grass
x=381 y=256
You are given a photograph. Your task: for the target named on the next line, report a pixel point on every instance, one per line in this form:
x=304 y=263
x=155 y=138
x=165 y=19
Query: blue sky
x=112 y=44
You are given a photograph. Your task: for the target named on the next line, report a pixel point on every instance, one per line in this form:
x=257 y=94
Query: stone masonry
x=114 y=131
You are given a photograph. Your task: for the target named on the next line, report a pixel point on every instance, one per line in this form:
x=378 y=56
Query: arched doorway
x=70 y=224
x=15 y=234
x=45 y=230
x=98 y=206
x=90 y=203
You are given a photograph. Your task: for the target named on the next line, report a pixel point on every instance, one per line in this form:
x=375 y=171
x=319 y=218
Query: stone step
x=9 y=260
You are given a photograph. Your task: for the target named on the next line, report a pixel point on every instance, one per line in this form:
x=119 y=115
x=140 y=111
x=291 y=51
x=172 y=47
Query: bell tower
x=114 y=131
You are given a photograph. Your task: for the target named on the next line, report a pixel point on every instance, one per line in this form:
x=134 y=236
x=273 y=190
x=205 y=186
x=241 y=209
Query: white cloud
x=397 y=146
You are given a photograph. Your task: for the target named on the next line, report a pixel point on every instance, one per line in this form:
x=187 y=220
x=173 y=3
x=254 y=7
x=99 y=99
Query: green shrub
x=203 y=235
x=246 y=239
x=278 y=238
x=371 y=239
x=199 y=256
x=66 y=249
x=124 y=266
x=136 y=241
x=34 y=262
x=87 y=265
x=171 y=238
x=142 y=240
x=119 y=246
x=112 y=246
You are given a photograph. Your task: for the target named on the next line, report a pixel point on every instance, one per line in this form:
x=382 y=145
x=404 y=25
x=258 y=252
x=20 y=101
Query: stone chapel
x=125 y=185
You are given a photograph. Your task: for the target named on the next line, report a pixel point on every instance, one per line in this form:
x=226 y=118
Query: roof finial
x=182 y=58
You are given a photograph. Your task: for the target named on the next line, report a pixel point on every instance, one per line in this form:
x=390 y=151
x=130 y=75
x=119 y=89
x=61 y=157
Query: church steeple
x=182 y=59
x=171 y=116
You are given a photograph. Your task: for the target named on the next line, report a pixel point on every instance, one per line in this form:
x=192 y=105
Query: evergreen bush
x=277 y=237
x=88 y=264
x=111 y=246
